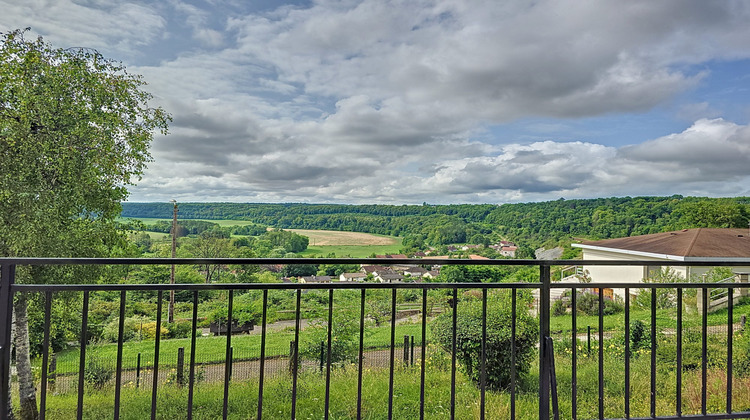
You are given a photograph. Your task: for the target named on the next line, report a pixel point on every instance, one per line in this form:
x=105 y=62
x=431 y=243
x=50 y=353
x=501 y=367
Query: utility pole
x=170 y=315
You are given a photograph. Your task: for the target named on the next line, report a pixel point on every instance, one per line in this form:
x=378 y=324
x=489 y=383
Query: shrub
x=498 y=344
x=560 y=307
x=638 y=337
x=148 y=331
x=588 y=304
x=131 y=327
x=179 y=329
x=344 y=335
x=97 y=373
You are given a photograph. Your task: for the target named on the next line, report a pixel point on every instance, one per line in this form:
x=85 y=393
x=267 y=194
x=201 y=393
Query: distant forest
x=536 y=224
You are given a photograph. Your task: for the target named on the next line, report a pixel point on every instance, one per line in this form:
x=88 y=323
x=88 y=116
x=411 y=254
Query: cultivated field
x=337 y=238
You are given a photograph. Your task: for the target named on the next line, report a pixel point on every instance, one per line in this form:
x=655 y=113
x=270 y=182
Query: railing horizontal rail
x=731 y=262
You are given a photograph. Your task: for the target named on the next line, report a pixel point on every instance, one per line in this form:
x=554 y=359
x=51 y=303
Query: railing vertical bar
x=424 y=354
x=191 y=384
x=574 y=356
x=730 y=336
x=228 y=357
x=627 y=353
x=328 y=355
x=82 y=356
x=704 y=346
x=360 y=356
x=7 y=278
x=601 y=353
x=453 y=352
x=118 y=374
x=157 y=347
x=295 y=356
x=653 y=352
x=678 y=391
x=483 y=356
x=544 y=331
x=45 y=355
x=513 y=312
x=262 y=373
x=392 y=355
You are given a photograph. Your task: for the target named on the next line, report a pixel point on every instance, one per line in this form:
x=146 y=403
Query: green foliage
x=246 y=307
x=132 y=328
x=498 y=344
x=97 y=373
x=290 y=241
x=75 y=129
x=344 y=334
x=665 y=298
x=639 y=339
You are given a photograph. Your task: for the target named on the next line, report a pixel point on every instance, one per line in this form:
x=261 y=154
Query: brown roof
x=701 y=243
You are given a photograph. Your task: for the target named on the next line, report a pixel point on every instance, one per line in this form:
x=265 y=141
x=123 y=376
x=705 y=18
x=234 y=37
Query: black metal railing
x=548 y=378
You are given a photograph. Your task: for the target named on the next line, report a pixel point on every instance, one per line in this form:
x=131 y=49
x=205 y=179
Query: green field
x=322 y=242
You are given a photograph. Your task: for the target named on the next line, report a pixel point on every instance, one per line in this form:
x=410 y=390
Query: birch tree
x=75 y=132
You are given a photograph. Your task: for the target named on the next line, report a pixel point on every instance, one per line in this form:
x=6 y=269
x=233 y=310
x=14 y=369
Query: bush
x=588 y=304
x=344 y=334
x=131 y=328
x=560 y=307
x=97 y=373
x=638 y=337
x=179 y=329
x=498 y=344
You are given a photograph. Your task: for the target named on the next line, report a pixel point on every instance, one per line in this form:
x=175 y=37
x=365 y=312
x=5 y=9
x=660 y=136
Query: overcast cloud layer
x=437 y=101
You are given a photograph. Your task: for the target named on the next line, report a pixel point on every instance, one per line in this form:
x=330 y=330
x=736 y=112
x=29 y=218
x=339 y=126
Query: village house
x=352 y=277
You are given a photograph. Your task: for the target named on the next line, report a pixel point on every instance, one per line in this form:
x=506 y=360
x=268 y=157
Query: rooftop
x=695 y=244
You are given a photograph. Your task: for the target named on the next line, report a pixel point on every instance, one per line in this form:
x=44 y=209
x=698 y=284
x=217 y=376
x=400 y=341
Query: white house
x=702 y=244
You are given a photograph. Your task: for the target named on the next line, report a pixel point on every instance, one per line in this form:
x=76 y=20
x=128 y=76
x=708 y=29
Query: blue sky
x=443 y=101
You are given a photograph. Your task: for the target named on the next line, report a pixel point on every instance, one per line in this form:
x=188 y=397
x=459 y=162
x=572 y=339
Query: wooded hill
x=532 y=223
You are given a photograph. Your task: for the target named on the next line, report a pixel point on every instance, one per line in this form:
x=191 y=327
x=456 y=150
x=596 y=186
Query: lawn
x=213 y=349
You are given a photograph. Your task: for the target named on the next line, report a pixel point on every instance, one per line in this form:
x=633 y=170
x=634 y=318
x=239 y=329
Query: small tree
x=498 y=344
x=344 y=333
x=665 y=298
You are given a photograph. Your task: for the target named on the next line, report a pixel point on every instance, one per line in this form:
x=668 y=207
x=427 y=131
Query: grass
x=243 y=401
x=354 y=251
x=213 y=349
x=665 y=319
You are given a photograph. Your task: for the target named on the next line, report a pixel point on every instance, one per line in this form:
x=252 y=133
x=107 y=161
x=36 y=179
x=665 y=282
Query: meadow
x=322 y=242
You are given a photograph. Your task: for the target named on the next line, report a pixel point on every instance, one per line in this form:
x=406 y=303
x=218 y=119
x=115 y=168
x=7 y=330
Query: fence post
x=180 y=366
x=411 y=356
x=7 y=277
x=138 y=371
x=544 y=327
x=322 y=354
x=588 y=340
x=52 y=373
x=292 y=356
x=406 y=350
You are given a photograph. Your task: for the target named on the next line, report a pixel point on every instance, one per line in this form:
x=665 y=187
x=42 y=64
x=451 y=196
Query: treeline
x=604 y=218
x=535 y=224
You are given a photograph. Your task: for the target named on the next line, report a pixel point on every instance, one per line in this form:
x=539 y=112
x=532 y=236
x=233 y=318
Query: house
x=389 y=278
x=415 y=271
x=314 y=279
x=352 y=277
x=508 y=251
x=702 y=244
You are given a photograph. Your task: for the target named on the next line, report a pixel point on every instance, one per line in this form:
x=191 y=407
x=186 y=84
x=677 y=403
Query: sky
x=405 y=102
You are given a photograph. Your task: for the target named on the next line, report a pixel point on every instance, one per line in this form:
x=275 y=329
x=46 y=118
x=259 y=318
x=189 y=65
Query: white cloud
x=395 y=101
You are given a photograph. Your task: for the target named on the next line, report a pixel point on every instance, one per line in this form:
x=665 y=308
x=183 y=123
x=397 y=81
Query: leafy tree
x=498 y=344
x=75 y=129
